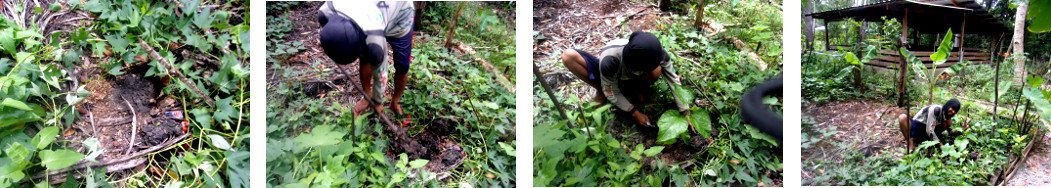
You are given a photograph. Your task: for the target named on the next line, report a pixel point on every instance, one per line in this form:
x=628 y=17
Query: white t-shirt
x=392 y=18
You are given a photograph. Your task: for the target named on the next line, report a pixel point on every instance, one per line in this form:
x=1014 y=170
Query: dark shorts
x=592 y=63
x=402 y=48
x=917 y=132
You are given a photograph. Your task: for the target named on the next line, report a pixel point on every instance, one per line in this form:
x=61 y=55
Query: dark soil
x=433 y=144
x=161 y=130
x=105 y=114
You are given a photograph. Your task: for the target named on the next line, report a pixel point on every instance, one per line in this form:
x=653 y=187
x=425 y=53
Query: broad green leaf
x=24 y=57
x=755 y=133
x=27 y=33
x=943 y=49
x=684 y=93
x=7 y=41
x=510 y=150
x=204 y=19
x=742 y=175
x=653 y=151
x=322 y=135
x=219 y=142
x=44 y=137
x=54 y=160
x=927 y=144
x=397 y=178
x=418 y=163
x=9 y=102
x=1037 y=98
x=238 y=168
x=191 y=6
x=671 y=125
x=851 y=58
x=118 y=43
x=92 y=144
x=702 y=122
x=18 y=153
x=545 y=135
x=1034 y=81
x=914 y=63
x=1040 y=14
x=225 y=111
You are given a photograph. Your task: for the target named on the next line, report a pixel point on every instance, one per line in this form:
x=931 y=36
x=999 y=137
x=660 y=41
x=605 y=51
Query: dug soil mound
x=118 y=101
x=433 y=144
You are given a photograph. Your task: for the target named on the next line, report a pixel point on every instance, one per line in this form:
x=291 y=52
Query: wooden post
x=826 y=35
x=963 y=27
x=902 y=63
x=992 y=47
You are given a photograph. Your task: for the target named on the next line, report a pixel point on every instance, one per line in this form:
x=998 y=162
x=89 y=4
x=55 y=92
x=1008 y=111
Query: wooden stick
x=175 y=72
x=499 y=76
x=551 y=94
x=373 y=103
x=134 y=128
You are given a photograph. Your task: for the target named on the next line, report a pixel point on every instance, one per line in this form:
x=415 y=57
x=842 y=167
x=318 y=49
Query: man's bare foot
x=360 y=106
x=379 y=109
x=397 y=109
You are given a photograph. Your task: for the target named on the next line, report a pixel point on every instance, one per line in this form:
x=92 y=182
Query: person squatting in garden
x=361 y=30
x=929 y=123
x=630 y=65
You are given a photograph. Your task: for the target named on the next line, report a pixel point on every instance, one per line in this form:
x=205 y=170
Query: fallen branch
x=499 y=76
x=713 y=28
x=175 y=72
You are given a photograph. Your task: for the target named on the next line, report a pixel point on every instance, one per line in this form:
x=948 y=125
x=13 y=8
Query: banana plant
x=929 y=75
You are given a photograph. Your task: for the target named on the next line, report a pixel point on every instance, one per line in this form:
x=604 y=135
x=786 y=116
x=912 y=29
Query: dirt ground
x=105 y=114
x=587 y=25
x=867 y=126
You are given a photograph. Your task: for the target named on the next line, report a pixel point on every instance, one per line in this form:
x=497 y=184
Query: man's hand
x=641 y=119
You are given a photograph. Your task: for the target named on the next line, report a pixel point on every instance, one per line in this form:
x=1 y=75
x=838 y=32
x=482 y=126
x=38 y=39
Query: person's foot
x=360 y=106
x=396 y=108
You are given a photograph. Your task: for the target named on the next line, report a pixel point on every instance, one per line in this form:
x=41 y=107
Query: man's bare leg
x=365 y=77
x=576 y=64
x=905 y=127
x=399 y=88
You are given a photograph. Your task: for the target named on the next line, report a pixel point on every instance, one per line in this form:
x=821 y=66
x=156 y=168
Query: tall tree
x=452 y=26
x=1017 y=42
x=808 y=22
x=698 y=21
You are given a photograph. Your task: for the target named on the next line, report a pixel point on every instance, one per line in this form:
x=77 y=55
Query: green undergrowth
x=597 y=147
x=38 y=99
x=972 y=158
x=314 y=140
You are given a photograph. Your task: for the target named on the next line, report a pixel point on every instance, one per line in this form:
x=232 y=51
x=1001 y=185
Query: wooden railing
x=890 y=58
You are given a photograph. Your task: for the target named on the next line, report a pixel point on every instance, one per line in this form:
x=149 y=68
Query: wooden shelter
x=964 y=17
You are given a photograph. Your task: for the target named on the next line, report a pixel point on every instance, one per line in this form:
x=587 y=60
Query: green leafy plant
x=929 y=75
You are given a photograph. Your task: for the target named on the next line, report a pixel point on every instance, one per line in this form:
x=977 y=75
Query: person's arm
x=671 y=78
x=611 y=90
